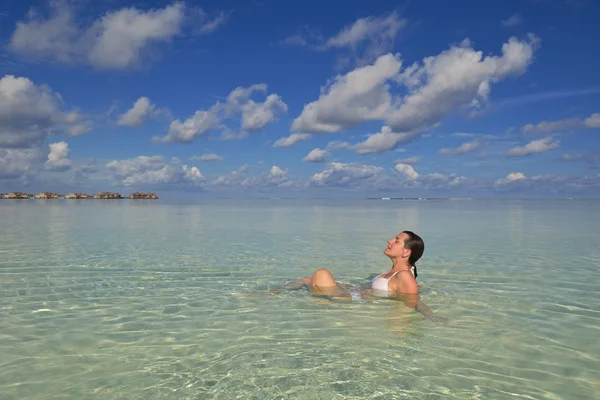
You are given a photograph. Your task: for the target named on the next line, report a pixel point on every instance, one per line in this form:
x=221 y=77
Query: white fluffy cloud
x=406 y=170
x=467 y=147
x=58 y=158
x=457 y=78
x=200 y=124
x=383 y=141
x=138 y=113
x=119 y=39
x=547 y=183
x=239 y=178
x=154 y=170
x=360 y=95
x=29 y=113
x=346 y=175
x=535 y=146
x=512 y=177
x=291 y=140
x=254 y=116
x=409 y=178
x=316 y=155
x=370 y=177
x=18 y=163
x=593 y=121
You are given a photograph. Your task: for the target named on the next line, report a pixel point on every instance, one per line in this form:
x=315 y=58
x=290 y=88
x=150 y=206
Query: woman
x=399 y=283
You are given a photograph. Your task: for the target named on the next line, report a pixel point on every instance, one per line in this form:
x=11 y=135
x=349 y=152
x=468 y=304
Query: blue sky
x=270 y=98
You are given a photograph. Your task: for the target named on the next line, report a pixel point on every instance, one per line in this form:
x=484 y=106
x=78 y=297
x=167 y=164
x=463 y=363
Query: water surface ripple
x=151 y=300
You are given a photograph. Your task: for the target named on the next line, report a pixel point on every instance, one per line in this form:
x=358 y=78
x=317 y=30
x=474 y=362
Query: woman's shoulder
x=406 y=282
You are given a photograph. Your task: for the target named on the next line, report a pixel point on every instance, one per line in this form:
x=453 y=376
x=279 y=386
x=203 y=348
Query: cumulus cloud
x=234 y=178
x=276 y=172
x=409 y=178
x=316 y=155
x=591 y=122
x=154 y=170
x=406 y=170
x=346 y=175
x=459 y=77
x=512 y=177
x=383 y=141
x=552 y=126
x=365 y=39
x=199 y=124
x=137 y=115
x=239 y=178
x=254 y=116
x=351 y=99
x=30 y=112
x=291 y=140
x=118 y=39
x=58 y=158
x=548 y=183
x=535 y=146
x=370 y=177
x=18 y=163
x=467 y=147
x=207 y=157
x=369 y=37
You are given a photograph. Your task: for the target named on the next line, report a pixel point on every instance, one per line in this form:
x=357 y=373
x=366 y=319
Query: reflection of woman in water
x=399 y=283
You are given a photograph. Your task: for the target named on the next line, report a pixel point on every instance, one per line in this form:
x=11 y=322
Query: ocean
x=151 y=299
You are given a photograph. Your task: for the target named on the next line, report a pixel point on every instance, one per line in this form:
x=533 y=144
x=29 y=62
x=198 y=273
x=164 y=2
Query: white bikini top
x=381 y=283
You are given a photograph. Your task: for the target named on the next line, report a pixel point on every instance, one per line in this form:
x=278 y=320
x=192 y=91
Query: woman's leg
x=322 y=283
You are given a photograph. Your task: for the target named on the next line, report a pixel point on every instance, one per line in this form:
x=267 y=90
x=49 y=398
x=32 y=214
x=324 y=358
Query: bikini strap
x=400 y=270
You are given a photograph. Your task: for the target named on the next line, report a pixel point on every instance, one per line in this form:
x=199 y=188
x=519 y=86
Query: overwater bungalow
x=77 y=195
x=47 y=195
x=143 y=195
x=17 y=195
x=108 y=195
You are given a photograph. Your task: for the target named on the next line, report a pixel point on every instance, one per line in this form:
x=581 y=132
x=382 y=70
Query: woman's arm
x=413 y=301
x=299 y=284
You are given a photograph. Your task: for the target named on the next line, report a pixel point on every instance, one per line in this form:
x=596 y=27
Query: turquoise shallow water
x=150 y=300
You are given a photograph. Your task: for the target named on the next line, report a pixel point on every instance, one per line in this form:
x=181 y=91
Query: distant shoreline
x=78 y=196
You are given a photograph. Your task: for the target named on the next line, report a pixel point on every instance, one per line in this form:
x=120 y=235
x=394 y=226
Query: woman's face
x=395 y=246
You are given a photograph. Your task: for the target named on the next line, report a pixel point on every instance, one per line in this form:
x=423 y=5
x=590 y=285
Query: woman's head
x=415 y=244
x=407 y=245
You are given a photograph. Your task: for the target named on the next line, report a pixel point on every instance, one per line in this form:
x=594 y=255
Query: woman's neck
x=401 y=266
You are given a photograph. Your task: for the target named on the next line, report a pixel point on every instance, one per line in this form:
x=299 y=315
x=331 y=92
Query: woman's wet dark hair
x=416 y=246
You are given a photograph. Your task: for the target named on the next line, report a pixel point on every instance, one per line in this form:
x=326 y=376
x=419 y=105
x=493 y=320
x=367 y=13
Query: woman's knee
x=322 y=277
